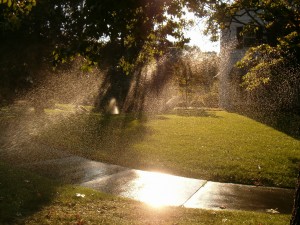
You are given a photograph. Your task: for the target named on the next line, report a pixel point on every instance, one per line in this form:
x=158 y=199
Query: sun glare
x=197 y=38
x=158 y=189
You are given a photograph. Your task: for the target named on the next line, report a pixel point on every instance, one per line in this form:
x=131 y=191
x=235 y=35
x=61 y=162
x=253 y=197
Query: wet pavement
x=158 y=189
x=242 y=197
x=153 y=188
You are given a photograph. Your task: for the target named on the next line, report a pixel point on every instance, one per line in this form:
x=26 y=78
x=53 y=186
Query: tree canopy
x=132 y=31
x=122 y=36
x=117 y=36
x=271 y=66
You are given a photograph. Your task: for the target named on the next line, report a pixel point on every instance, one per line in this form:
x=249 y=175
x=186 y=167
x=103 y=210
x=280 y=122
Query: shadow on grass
x=30 y=142
x=29 y=138
x=104 y=138
x=285 y=122
x=255 y=180
x=294 y=166
x=22 y=194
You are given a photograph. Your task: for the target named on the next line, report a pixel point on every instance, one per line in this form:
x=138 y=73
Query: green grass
x=215 y=145
x=29 y=199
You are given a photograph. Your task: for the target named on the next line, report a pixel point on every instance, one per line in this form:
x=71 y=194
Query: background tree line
x=119 y=38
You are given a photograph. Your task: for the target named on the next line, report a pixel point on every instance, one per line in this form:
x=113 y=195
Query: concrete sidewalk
x=160 y=189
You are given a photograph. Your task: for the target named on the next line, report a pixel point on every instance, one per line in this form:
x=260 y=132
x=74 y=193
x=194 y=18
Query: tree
x=121 y=37
x=13 y=12
x=274 y=63
x=13 y=73
x=276 y=18
x=270 y=66
x=194 y=72
x=117 y=36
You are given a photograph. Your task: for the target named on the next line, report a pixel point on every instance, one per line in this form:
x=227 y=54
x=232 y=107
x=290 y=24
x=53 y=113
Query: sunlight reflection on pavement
x=156 y=189
x=159 y=189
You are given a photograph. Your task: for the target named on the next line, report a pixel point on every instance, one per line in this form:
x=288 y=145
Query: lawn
x=214 y=145
x=29 y=199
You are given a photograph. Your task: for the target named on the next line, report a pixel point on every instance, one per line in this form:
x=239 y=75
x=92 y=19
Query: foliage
x=277 y=18
x=268 y=70
x=273 y=72
x=264 y=60
x=138 y=29
x=13 y=12
x=194 y=73
x=119 y=37
x=261 y=62
x=122 y=34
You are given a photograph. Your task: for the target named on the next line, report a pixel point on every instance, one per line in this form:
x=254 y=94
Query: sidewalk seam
x=182 y=205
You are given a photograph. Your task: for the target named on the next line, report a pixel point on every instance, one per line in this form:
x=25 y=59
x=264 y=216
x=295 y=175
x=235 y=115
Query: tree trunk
x=115 y=86
x=296 y=209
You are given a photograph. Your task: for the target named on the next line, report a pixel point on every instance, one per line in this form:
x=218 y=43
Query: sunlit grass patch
x=227 y=147
x=215 y=145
